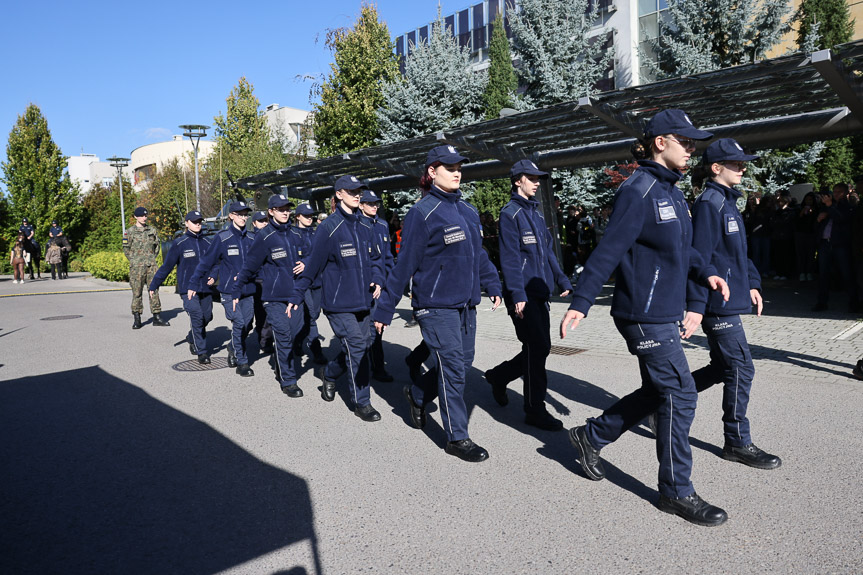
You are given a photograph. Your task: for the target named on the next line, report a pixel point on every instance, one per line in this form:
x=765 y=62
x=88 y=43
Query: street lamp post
x=120 y=163
x=195 y=132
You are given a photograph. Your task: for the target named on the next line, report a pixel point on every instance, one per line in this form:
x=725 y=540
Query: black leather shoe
x=244 y=370
x=367 y=413
x=651 y=423
x=192 y=349
x=418 y=414
x=858 y=370
x=382 y=376
x=498 y=389
x=292 y=390
x=232 y=358
x=543 y=420
x=328 y=389
x=204 y=359
x=467 y=450
x=590 y=462
x=752 y=456
x=415 y=370
x=694 y=509
x=136 y=323
x=159 y=322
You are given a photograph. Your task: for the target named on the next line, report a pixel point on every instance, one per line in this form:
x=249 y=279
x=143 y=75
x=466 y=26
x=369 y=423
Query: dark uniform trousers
x=312 y=297
x=284 y=330
x=668 y=389
x=262 y=326
x=835 y=254
x=731 y=364
x=354 y=331
x=451 y=336
x=377 y=350
x=241 y=323
x=534 y=333
x=200 y=311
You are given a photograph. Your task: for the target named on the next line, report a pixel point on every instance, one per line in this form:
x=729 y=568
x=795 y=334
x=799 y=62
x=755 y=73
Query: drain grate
x=561 y=350
x=61 y=317
x=193 y=365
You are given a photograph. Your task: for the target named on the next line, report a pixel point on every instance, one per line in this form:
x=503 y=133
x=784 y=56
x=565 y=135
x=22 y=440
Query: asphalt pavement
x=121 y=455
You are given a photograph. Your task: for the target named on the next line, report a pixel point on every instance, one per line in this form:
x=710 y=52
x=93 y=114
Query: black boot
x=159 y=322
x=232 y=358
x=137 y=323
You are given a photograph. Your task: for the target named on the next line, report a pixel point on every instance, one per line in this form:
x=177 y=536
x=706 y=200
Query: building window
x=145 y=174
x=650 y=14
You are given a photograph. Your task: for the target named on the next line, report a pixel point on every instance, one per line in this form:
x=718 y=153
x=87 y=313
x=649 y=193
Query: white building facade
x=147 y=160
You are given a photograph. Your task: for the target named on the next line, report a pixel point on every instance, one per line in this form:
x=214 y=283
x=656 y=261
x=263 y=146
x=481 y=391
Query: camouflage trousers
x=140 y=276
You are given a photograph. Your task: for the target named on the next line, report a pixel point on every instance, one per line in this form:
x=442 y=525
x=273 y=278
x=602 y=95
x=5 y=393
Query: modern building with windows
x=628 y=26
x=88 y=171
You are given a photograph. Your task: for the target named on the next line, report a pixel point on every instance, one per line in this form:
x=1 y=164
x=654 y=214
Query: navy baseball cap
x=349 y=183
x=278 y=201
x=53 y=222
x=141 y=211
x=305 y=210
x=194 y=216
x=444 y=155
x=674 y=122
x=24 y=221
x=240 y=207
x=526 y=167
x=259 y=216
x=726 y=150
x=370 y=197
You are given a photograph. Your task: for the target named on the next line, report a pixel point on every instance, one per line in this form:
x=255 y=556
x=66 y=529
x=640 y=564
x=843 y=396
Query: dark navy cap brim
x=694 y=133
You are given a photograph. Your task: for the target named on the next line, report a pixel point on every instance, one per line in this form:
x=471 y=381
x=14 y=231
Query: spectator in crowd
x=782 y=238
x=757 y=218
x=601 y=221
x=17 y=258
x=489 y=238
x=804 y=237
x=833 y=233
x=54 y=258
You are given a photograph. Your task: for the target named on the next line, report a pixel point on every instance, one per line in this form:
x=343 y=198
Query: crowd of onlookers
x=818 y=238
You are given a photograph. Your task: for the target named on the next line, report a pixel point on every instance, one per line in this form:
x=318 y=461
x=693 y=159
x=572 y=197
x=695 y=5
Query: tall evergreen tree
x=346 y=119
x=245 y=144
x=502 y=82
x=829 y=20
x=439 y=90
x=712 y=34
x=36 y=179
x=561 y=59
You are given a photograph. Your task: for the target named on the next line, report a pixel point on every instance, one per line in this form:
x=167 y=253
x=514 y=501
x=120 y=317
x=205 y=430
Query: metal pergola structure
x=768 y=104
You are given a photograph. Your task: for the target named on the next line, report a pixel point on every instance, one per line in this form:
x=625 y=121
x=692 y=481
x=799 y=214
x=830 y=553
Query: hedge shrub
x=113 y=266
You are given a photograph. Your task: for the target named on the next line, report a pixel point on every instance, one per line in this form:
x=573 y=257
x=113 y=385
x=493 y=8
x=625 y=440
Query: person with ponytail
x=648 y=247
x=720 y=238
x=442 y=251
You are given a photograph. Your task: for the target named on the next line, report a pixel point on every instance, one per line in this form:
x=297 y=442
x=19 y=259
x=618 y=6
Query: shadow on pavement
x=100 y=477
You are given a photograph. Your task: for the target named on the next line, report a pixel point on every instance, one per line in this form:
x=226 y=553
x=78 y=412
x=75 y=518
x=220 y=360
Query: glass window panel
x=646 y=7
x=478 y=17
x=464 y=40
x=493 y=9
x=663 y=4
x=412 y=40
x=463 y=22
x=449 y=22
x=424 y=34
x=479 y=38
x=400 y=46
x=647 y=27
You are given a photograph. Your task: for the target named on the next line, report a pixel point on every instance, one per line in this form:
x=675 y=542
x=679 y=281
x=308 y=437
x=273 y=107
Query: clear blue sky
x=112 y=76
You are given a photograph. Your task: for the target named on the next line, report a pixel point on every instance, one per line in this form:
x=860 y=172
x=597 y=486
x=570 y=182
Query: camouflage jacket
x=141 y=245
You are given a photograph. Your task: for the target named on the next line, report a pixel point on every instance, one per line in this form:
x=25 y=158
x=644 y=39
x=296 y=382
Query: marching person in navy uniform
x=351 y=272
x=305 y=233
x=442 y=250
x=228 y=251
x=530 y=272
x=370 y=203
x=260 y=220
x=274 y=258
x=648 y=246
x=185 y=253
x=720 y=238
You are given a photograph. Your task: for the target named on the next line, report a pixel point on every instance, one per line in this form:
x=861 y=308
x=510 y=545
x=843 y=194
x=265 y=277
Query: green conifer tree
x=829 y=20
x=346 y=119
x=502 y=82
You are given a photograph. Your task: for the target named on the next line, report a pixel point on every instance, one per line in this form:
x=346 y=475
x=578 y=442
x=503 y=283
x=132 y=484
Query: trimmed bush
x=112 y=266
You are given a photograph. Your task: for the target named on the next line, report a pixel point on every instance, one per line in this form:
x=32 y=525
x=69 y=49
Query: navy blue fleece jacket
x=343 y=255
x=185 y=253
x=648 y=246
x=720 y=238
x=527 y=260
x=272 y=258
x=228 y=250
x=442 y=250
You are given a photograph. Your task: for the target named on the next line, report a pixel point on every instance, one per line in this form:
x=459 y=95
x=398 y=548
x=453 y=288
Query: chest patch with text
x=453 y=234
x=189 y=254
x=347 y=249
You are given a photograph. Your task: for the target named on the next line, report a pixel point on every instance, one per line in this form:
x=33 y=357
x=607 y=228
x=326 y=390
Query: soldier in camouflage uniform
x=141 y=246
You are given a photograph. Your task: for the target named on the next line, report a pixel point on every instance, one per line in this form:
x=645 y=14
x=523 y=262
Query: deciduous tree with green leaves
x=102 y=221
x=345 y=118
x=36 y=179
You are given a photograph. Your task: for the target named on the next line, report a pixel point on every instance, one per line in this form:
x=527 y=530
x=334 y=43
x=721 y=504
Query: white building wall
x=289 y=122
x=147 y=160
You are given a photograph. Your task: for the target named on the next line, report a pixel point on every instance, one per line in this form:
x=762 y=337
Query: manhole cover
x=59 y=317
x=193 y=365
x=561 y=350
